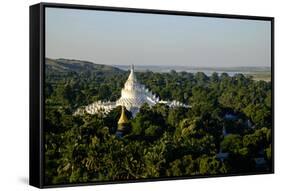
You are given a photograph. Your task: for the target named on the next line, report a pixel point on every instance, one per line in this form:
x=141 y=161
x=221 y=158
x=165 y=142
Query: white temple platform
x=133 y=96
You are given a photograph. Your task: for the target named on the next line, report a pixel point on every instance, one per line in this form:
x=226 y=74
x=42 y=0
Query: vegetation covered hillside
x=227 y=130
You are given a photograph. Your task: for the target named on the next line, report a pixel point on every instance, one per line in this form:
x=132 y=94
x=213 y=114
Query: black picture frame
x=37 y=77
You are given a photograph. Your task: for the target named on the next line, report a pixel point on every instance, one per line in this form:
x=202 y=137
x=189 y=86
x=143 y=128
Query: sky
x=120 y=38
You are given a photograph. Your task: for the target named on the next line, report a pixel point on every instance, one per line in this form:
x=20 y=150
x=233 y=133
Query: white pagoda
x=133 y=96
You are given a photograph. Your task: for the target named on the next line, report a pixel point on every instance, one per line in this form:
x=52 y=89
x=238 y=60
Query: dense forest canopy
x=230 y=115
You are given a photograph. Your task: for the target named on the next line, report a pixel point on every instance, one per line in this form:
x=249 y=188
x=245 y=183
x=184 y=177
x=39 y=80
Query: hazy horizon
x=118 y=38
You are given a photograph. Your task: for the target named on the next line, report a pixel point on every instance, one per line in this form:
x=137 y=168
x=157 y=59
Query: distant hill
x=79 y=66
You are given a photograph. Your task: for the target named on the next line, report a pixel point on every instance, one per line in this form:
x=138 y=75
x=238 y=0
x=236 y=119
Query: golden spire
x=123 y=118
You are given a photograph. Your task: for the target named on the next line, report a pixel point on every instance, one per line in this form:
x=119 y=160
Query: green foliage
x=232 y=143
x=210 y=165
x=164 y=141
x=185 y=165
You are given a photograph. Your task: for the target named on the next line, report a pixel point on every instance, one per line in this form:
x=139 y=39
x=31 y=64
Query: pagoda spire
x=123 y=118
x=123 y=124
x=131 y=77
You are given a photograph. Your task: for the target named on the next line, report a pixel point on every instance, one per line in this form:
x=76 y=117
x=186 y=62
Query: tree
x=182 y=167
x=232 y=143
x=210 y=165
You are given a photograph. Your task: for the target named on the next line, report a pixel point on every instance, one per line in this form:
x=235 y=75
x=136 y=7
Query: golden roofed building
x=123 y=118
x=123 y=124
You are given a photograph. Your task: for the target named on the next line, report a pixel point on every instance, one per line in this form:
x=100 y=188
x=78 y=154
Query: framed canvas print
x=126 y=95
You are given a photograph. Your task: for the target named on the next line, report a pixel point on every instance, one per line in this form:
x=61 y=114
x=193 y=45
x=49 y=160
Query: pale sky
x=120 y=38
